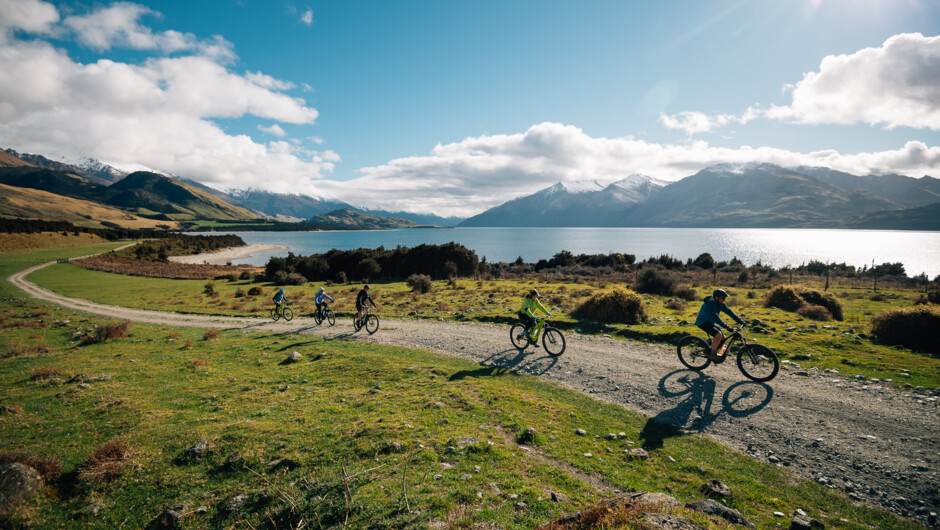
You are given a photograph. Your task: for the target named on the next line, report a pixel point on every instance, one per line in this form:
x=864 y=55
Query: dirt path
x=880 y=445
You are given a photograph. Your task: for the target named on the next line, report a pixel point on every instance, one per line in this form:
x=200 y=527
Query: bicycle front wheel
x=694 y=353
x=758 y=363
x=372 y=324
x=517 y=336
x=274 y=314
x=330 y=317
x=288 y=314
x=553 y=341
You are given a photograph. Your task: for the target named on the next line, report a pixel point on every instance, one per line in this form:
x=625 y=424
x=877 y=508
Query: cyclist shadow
x=694 y=412
x=519 y=360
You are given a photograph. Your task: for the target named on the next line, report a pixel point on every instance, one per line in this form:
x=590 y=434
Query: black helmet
x=366 y=287
x=720 y=292
x=534 y=293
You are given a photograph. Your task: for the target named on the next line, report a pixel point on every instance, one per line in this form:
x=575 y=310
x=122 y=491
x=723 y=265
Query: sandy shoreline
x=225 y=255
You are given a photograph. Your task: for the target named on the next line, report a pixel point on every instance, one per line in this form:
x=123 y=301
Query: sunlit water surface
x=919 y=251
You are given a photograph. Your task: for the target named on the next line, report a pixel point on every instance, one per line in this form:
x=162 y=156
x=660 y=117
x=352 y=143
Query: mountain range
x=749 y=195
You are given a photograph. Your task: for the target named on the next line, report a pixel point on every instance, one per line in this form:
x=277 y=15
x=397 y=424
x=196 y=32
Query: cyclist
x=529 y=302
x=361 y=300
x=709 y=318
x=320 y=300
x=279 y=299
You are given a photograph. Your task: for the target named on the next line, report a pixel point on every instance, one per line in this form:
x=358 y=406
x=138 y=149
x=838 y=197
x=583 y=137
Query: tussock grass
x=44 y=373
x=106 y=462
x=106 y=332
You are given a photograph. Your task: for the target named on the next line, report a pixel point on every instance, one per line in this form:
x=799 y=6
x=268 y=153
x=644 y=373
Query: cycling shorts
x=710 y=328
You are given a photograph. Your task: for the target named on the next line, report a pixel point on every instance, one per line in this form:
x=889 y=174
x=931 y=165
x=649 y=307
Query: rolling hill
x=346 y=218
x=151 y=194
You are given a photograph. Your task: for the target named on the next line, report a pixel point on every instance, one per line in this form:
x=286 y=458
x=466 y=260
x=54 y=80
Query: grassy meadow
x=354 y=434
x=842 y=345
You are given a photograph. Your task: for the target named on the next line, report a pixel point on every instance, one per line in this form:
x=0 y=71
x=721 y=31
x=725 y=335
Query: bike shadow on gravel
x=694 y=412
x=506 y=362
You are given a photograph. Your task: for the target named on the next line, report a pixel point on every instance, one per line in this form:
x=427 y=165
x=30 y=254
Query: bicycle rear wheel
x=330 y=317
x=274 y=314
x=694 y=352
x=288 y=314
x=518 y=337
x=317 y=318
x=372 y=324
x=553 y=341
x=357 y=323
x=758 y=363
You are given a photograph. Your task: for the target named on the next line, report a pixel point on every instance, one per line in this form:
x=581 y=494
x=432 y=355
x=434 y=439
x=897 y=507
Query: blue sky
x=452 y=107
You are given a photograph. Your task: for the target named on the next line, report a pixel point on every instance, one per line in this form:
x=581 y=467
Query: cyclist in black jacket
x=361 y=300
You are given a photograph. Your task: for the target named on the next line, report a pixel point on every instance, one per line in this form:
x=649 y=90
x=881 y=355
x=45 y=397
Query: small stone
x=235 y=503
x=612 y=436
x=438 y=477
x=588 y=455
x=294 y=357
x=319 y=356
x=169 y=518
x=92 y=509
x=98 y=378
x=466 y=476
x=18 y=483
x=559 y=497
x=716 y=488
x=638 y=453
x=197 y=450
x=710 y=507
x=520 y=505
x=802 y=522
x=580 y=432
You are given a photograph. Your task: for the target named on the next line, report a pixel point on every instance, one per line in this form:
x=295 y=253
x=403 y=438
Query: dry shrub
x=877 y=298
x=174 y=335
x=912 y=327
x=48 y=467
x=106 y=462
x=16 y=350
x=44 y=373
x=419 y=283
x=616 y=305
x=106 y=332
x=210 y=334
x=255 y=291
x=677 y=305
x=814 y=312
x=783 y=297
x=826 y=300
x=239 y=293
x=199 y=362
x=187 y=345
x=686 y=292
x=653 y=281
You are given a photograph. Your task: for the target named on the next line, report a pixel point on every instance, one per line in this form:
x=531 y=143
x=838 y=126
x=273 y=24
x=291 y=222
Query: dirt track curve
x=879 y=445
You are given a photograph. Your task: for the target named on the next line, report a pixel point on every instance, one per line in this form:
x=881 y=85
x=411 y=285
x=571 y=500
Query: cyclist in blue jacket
x=709 y=317
x=320 y=299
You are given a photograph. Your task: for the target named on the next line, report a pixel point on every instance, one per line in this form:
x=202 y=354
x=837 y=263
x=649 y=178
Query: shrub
x=783 y=297
x=826 y=300
x=912 y=327
x=877 y=298
x=106 y=462
x=341 y=277
x=419 y=283
x=686 y=292
x=44 y=373
x=210 y=334
x=255 y=291
x=292 y=279
x=106 y=332
x=677 y=305
x=814 y=312
x=933 y=297
x=209 y=289
x=239 y=293
x=245 y=275
x=656 y=282
x=617 y=305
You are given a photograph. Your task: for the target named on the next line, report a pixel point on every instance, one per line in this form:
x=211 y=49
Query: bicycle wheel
x=288 y=314
x=758 y=363
x=330 y=317
x=553 y=341
x=372 y=324
x=317 y=318
x=518 y=337
x=274 y=314
x=694 y=352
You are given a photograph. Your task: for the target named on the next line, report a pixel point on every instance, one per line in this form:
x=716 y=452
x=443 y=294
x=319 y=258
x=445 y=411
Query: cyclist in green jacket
x=526 y=316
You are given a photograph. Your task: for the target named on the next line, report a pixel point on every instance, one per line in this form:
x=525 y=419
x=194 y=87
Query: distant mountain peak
x=637 y=179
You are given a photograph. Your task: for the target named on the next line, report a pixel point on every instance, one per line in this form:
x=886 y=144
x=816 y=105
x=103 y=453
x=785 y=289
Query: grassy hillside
x=346 y=218
x=150 y=192
x=29 y=203
x=363 y=435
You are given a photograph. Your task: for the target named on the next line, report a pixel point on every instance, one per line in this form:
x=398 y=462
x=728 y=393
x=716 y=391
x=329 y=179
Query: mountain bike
x=757 y=362
x=370 y=321
x=325 y=314
x=552 y=338
x=282 y=311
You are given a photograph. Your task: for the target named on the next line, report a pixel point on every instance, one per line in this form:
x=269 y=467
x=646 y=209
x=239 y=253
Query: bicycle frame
x=537 y=329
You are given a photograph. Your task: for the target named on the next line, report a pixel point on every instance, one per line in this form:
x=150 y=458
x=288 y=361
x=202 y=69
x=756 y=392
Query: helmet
x=320 y=290
x=534 y=293
x=281 y=291
x=720 y=292
x=366 y=287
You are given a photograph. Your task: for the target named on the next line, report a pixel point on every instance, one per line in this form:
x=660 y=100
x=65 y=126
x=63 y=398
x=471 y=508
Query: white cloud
x=896 y=85
x=274 y=130
x=467 y=177
x=157 y=114
x=32 y=16
x=307 y=17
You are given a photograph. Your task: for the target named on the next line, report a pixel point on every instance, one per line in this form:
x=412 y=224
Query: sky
x=455 y=107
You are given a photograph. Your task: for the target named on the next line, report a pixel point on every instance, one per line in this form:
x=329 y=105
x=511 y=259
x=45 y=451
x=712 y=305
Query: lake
x=919 y=251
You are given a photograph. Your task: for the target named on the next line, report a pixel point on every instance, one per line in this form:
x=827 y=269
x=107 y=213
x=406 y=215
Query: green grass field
x=842 y=345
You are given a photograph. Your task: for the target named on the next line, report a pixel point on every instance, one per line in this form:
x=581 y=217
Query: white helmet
x=320 y=290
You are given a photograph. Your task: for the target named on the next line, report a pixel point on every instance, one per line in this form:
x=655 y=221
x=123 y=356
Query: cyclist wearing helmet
x=361 y=300
x=279 y=299
x=709 y=317
x=526 y=316
x=320 y=299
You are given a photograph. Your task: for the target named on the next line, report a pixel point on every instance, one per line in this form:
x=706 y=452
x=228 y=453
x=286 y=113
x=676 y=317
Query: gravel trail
x=880 y=445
